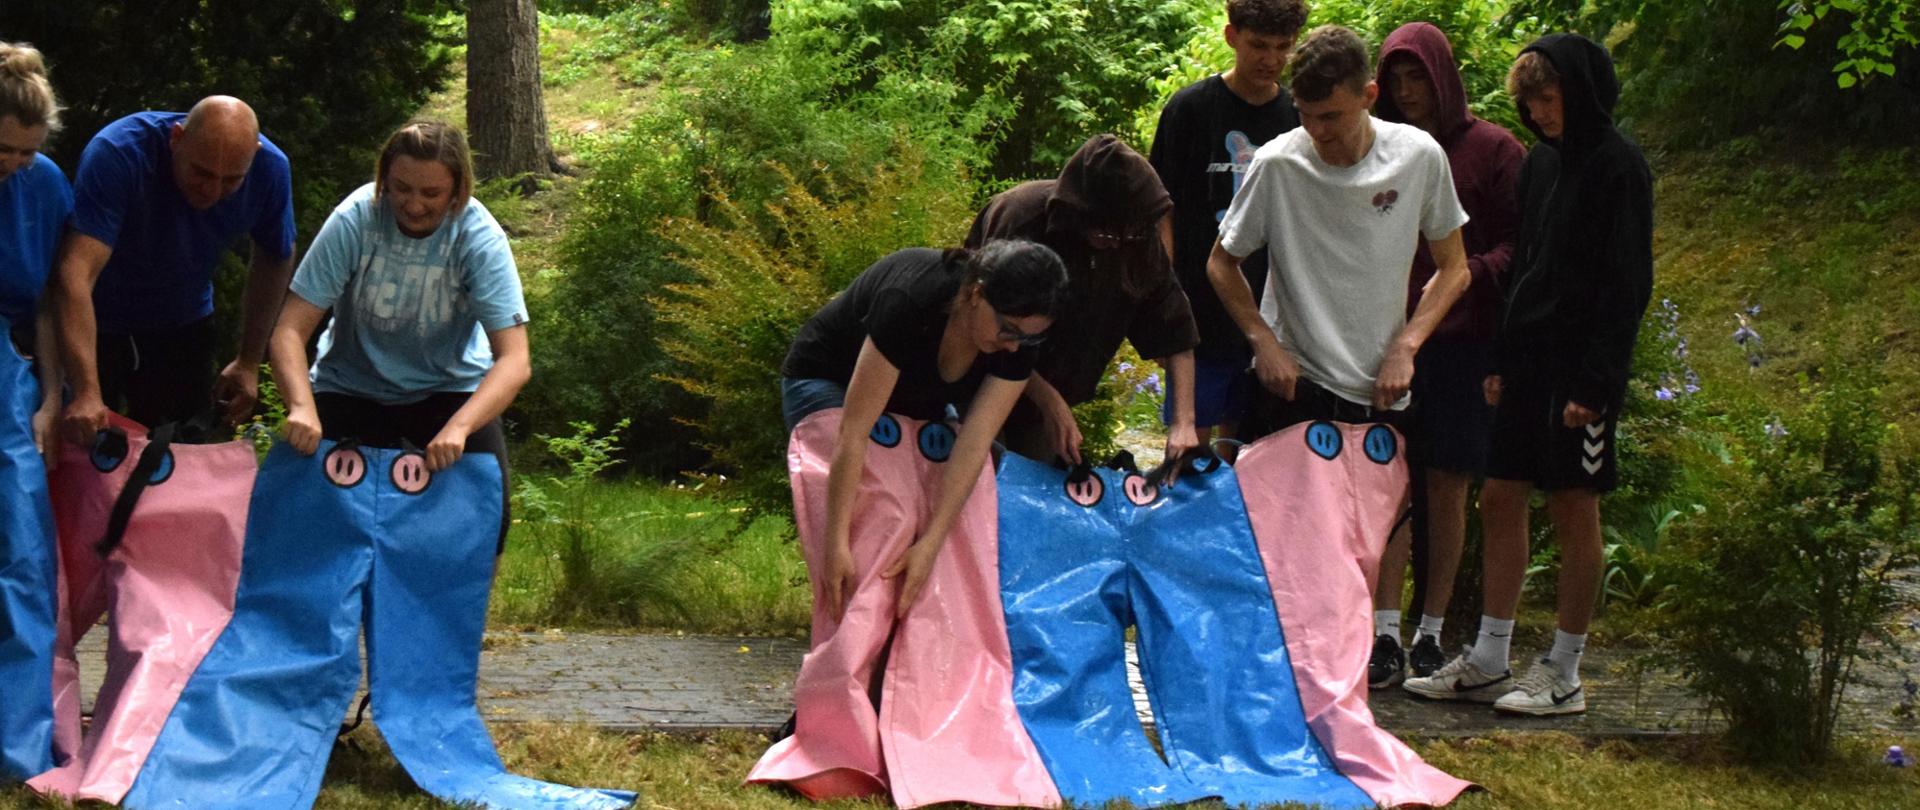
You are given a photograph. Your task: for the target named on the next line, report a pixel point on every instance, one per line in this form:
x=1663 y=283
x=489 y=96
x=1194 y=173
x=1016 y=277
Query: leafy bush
x=1700 y=71
x=1052 y=72
x=757 y=279
x=1792 y=568
x=742 y=130
x=1482 y=45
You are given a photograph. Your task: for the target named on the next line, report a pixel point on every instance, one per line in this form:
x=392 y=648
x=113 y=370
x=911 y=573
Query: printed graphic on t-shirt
x=410 y=290
x=1383 y=202
x=1241 y=148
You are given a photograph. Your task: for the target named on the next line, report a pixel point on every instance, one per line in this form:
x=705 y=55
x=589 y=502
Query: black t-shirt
x=901 y=302
x=1202 y=148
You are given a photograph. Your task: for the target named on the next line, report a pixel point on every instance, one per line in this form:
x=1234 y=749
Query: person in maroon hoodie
x=1107 y=217
x=1451 y=421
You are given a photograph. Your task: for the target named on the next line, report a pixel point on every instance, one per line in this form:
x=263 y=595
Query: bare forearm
x=78 y=334
x=495 y=393
x=289 y=365
x=266 y=290
x=1441 y=294
x=1179 y=369
x=46 y=350
x=1223 y=271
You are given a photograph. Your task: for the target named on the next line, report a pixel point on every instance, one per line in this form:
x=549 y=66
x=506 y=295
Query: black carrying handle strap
x=155 y=454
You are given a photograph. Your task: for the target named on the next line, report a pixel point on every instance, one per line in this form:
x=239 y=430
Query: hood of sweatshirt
x=1426 y=44
x=1589 y=89
x=1106 y=185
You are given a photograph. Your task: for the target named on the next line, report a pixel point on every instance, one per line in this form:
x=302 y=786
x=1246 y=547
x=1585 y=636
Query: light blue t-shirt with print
x=410 y=315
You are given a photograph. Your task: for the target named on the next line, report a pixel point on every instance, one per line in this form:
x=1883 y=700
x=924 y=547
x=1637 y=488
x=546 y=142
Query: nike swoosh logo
x=1461 y=686
x=1560 y=699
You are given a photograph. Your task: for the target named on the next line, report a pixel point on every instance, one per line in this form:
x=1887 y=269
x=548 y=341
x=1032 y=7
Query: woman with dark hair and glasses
x=880 y=481
x=919 y=330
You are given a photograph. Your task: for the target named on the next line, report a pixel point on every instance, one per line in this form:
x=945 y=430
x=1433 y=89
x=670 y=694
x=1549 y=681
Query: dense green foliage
x=1698 y=71
x=1051 y=72
x=380 y=60
x=739 y=132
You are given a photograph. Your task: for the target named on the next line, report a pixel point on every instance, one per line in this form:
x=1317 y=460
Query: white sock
x=1387 y=623
x=1565 y=656
x=1429 y=628
x=1493 y=646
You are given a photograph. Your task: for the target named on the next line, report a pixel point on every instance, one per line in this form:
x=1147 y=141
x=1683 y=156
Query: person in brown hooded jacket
x=1107 y=217
x=1451 y=421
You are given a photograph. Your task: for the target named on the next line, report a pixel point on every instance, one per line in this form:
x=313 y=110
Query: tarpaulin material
x=1322 y=497
x=350 y=534
x=27 y=577
x=1066 y=587
x=166 y=586
x=1084 y=556
x=946 y=728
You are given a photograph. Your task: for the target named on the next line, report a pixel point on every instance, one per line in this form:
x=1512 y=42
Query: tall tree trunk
x=506 y=119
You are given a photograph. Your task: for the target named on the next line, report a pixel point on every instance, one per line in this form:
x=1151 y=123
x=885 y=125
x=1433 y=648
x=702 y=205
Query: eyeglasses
x=1011 y=333
x=1105 y=239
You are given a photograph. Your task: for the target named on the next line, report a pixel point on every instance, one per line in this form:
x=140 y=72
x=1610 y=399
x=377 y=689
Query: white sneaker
x=1542 y=692
x=1461 y=680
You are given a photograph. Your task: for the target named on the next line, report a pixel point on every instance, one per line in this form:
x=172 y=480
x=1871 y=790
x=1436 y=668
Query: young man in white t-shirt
x=1340 y=205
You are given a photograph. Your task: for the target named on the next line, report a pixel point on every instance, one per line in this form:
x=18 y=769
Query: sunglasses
x=1009 y=332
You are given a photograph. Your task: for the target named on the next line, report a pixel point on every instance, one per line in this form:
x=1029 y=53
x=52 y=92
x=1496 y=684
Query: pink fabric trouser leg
x=168 y=589
x=951 y=731
x=946 y=729
x=1322 y=498
x=835 y=748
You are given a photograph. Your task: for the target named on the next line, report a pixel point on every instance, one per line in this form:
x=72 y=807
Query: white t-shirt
x=1340 y=242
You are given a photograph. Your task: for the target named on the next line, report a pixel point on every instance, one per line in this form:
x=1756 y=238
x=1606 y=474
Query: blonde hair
x=25 y=93
x=435 y=141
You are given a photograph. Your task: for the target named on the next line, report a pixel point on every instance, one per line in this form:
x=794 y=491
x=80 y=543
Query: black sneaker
x=1388 y=665
x=1426 y=657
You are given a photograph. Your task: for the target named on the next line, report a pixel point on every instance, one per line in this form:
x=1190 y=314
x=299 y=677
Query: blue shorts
x=1219 y=392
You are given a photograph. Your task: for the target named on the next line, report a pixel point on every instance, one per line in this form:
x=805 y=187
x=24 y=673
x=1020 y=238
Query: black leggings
x=376 y=424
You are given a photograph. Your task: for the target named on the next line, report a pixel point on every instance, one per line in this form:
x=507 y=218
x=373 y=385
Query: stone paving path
x=703 y=683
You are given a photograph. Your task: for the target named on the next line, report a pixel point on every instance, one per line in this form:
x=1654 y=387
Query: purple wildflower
x=1152 y=385
x=1744 y=334
x=1776 y=430
x=1897 y=757
x=1664 y=394
x=1125 y=367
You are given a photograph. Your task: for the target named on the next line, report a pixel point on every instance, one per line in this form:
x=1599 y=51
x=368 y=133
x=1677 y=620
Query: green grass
x=644 y=556
x=1544 y=771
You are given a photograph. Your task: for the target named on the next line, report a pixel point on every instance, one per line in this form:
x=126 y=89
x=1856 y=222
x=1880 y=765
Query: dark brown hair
x=435 y=141
x=1280 y=18
x=1532 y=73
x=1330 y=56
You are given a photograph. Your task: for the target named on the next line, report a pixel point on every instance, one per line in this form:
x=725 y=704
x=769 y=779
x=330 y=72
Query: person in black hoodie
x=1581 y=276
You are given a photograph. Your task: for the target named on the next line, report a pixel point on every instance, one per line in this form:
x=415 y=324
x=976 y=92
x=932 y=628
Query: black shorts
x=1451 y=420
x=156 y=376
x=1267 y=413
x=1532 y=443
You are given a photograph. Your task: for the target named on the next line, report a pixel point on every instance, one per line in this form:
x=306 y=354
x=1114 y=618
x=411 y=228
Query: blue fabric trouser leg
x=1212 y=654
x=255 y=725
x=1065 y=588
x=28 y=582
x=433 y=564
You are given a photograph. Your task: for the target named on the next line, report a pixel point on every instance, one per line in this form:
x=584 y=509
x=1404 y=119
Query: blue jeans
x=801 y=396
